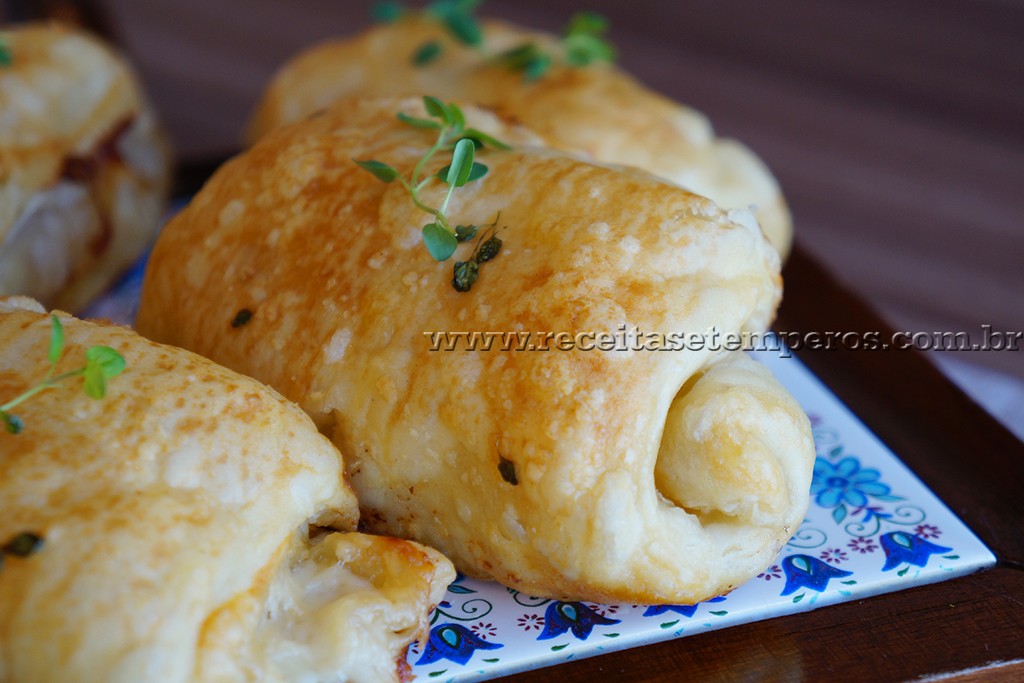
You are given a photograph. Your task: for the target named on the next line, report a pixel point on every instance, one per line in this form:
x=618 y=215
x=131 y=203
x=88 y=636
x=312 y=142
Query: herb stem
x=48 y=383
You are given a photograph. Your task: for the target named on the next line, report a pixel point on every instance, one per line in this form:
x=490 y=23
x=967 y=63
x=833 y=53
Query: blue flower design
x=454 y=642
x=804 y=571
x=845 y=482
x=900 y=547
x=685 y=610
x=575 y=616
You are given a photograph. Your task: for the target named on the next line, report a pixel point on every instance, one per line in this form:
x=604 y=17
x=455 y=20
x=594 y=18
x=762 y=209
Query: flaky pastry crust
x=599 y=111
x=174 y=514
x=344 y=298
x=84 y=167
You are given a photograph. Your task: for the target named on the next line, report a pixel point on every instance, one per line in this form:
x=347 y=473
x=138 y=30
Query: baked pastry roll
x=598 y=110
x=624 y=475
x=84 y=167
x=176 y=517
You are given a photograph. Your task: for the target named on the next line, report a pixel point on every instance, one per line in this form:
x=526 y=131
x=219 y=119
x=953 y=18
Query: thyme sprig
x=439 y=236
x=583 y=43
x=101 y=364
x=457 y=16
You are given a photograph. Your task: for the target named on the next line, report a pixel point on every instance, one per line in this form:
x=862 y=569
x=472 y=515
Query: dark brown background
x=896 y=127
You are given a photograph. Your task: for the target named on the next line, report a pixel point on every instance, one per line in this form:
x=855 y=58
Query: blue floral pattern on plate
x=872 y=527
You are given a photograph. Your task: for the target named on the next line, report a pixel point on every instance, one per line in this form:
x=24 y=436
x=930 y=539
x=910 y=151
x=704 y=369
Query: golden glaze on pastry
x=84 y=168
x=174 y=514
x=599 y=111
x=331 y=263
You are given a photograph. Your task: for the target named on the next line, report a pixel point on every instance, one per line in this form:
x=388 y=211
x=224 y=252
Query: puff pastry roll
x=84 y=167
x=176 y=517
x=598 y=110
x=598 y=475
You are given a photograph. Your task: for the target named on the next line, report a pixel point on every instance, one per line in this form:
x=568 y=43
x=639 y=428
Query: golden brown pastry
x=84 y=168
x=599 y=110
x=175 y=517
x=635 y=476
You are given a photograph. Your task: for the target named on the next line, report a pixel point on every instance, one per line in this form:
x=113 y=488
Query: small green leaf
x=482 y=139
x=24 y=544
x=5 y=55
x=459 y=589
x=668 y=624
x=242 y=318
x=849 y=583
x=493 y=660
x=462 y=163
x=798 y=598
x=436 y=108
x=435 y=674
x=455 y=116
x=464 y=27
x=95 y=381
x=556 y=648
x=12 y=422
x=506 y=468
x=476 y=172
x=427 y=53
x=582 y=49
x=537 y=68
x=387 y=12
x=721 y=613
x=109 y=361
x=517 y=58
x=56 y=339
x=488 y=250
x=464 y=275
x=379 y=169
x=464 y=233
x=440 y=243
x=417 y=122
x=903 y=572
x=590 y=23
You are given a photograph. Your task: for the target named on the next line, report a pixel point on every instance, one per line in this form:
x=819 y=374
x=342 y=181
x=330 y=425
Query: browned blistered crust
x=331 y=263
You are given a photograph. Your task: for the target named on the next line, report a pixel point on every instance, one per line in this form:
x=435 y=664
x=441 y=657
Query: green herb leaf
x=462 y=163
x=590 y=23
x=13 y=423
x=464 y=233
x=440 y=243
x=436 y=108
x=538 y=68
x=5 y=54
x=56 y=340
x=488 y=250
x=24 y=544
x=241 y=318
x=417 y=122
x=484 y=140
x=427 y=53
x=583 y=49
x=464 y=27
x=109 y=361
x=95 y=381
x=379 y=169
x=518 y=57
x=477 y=171
x=387 y=12
x=464 y=275
x=455 y=116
